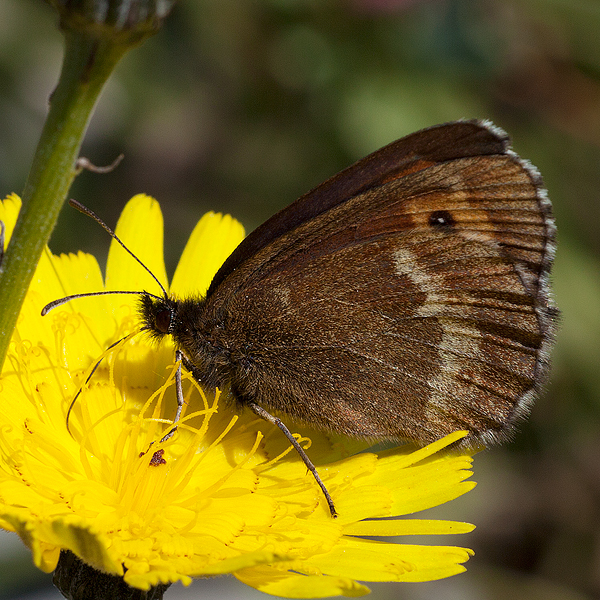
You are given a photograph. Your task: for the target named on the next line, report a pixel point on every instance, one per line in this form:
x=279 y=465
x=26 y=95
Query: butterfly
x=405 y=298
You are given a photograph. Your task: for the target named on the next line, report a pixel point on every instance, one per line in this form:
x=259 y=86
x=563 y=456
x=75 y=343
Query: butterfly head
x=184 y=320
x=158 y=314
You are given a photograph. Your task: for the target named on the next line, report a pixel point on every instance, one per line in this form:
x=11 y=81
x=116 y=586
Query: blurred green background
x=243 y=105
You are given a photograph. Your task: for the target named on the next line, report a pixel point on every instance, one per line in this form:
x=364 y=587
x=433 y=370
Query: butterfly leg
x=263 y=414
x=179 y=392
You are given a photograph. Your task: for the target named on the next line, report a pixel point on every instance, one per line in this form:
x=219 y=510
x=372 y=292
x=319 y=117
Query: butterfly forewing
x=425 y=148
x=404 y=298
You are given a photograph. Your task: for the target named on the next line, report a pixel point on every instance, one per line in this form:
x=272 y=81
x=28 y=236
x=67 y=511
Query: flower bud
x=122 y=21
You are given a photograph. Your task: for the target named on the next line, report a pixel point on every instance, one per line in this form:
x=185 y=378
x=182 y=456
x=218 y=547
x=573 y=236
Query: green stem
x=87 y=65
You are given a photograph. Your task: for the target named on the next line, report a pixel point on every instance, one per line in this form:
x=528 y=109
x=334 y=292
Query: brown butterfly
x=406 y=297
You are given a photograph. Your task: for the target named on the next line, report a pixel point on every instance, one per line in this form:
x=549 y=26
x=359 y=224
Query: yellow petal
x=293 y=585
x=396 y=527
x=140 y=228
x=9 y=211
x=368 y=560
x=214 y=238
x=83 y=542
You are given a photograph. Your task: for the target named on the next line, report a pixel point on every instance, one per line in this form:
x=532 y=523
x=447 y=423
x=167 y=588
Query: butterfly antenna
x=66 y=299
x=130 y=335
x=90 y=213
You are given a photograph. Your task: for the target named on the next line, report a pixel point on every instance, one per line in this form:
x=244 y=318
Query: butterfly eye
x=441 y=218
x=163 y=320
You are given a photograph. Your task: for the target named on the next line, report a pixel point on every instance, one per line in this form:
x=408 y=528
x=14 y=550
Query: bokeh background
x=243 y=105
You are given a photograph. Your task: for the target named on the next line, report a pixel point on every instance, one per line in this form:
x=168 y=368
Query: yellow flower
x=223 y=495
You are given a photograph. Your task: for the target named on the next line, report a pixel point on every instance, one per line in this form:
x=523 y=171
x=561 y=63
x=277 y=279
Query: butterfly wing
x=406 y=297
